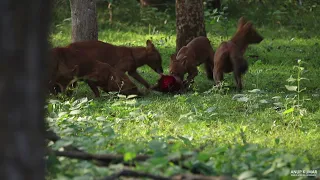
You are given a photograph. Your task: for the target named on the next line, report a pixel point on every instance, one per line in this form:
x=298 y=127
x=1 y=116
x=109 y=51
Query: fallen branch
x=136 y=174
x=104 y=159
x=107 y=159
x=200 y=177
x=52 y=136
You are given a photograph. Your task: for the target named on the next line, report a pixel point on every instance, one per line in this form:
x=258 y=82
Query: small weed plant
x=294 y=102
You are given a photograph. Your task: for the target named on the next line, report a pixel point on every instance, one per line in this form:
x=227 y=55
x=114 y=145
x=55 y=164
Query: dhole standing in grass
x=123 y=58
x=196 y=52
x=229 y=55
x=68 y=63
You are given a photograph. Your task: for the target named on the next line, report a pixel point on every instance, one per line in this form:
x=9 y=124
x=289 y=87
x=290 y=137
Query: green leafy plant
x=294 y=104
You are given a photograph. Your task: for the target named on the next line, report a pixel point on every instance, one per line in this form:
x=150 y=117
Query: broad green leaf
x=211 y=109
x=62 y=114
x=288 y=110
x=62 y=143
x=121 y=96
x=276 y=97
x=53 y=101
x=67 y=131
x=118 y=103
x=203 y=157
x=74 y=112
x=291 y=88
x=302 y=78
x=128 y=156
x=303 y=89
x=131 y=96
x=291 y=79
x=236 y=96
x=278 y=104
x=50 y=108
x=101 y=118
x=263 y=101
x=108 y=131
x=243 y=99
x=245 y=175
x=185 y=140
x=156 y=145
x=131 y=102
x=174 y=155
x=83 y=100
x=255 y=91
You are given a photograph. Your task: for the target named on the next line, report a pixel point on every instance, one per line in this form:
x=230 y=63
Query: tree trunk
x=189 y=21
x=84 y=20
x=23 y=78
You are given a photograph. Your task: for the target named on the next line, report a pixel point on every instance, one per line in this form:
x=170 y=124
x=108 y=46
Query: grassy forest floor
x=257 y=132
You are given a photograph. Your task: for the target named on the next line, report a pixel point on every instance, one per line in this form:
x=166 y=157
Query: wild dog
x=229 y=55
x=70 y=63
x=196 y=52
x=122 y=58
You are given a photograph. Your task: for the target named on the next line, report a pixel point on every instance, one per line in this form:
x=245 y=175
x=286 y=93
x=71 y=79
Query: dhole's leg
x=136 y=76
x=240 y=66
x=155 y=87
x=128 y=87
x=209 y=65
x=69 y=90
x=218 y=76
x=94 y=88
x=191 y=75
x=237 y=77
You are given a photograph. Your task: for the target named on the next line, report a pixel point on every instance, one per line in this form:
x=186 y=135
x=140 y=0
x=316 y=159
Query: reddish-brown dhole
x=68 y=63
x=229 y=55
x=123 y=58
x=196 y=52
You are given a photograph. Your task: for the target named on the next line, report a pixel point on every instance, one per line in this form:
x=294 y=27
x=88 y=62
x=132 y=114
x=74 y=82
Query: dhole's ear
x=184 y=60
x=242 y=21
x=173 y=57
x=248 y=25
x=150 y=46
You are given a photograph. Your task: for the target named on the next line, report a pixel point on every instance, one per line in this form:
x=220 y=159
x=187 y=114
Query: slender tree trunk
x=84 y=20
x=189 y=21
x=23 y=78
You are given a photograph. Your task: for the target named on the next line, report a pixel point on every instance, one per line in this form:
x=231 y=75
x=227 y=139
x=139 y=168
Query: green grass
x=235 y=135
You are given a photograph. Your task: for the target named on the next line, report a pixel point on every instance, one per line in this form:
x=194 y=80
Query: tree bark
x=23 y=78
x=189 y=21
x=84 y=20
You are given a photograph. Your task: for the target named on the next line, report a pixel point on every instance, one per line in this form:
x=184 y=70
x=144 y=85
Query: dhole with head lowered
x=196 y=52
x=229 y=55
x=123 y=58
x=68 y=63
